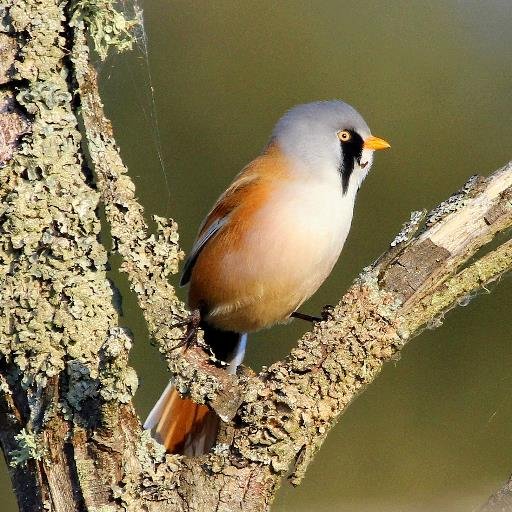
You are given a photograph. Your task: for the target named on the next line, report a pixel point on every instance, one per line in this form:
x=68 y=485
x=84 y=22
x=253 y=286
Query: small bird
x=268 y=243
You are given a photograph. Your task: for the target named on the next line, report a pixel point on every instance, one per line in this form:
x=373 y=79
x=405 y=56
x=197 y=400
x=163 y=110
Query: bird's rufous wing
x=220 y=214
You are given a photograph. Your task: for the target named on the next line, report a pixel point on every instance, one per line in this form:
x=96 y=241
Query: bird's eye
x=344 y=135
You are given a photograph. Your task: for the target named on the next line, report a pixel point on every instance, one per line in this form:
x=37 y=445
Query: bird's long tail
x=180 y=424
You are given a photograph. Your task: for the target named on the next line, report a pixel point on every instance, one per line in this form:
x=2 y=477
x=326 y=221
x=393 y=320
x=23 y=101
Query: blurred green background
x=433 y=433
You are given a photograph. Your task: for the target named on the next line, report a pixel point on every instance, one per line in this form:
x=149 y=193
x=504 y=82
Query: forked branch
x=67 y=424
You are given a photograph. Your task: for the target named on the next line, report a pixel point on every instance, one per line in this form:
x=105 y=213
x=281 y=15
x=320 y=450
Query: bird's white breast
x=302 y=228
x=294 y=241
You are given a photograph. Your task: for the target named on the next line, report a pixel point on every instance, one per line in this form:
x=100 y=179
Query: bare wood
x=67 y=424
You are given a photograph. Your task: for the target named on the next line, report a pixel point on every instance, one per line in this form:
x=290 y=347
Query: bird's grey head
x=327 y=137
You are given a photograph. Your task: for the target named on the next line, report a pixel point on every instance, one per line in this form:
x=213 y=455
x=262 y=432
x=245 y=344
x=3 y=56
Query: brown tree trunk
x=67 y=424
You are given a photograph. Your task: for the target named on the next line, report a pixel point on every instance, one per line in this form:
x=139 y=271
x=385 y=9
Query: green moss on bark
x=107 y=26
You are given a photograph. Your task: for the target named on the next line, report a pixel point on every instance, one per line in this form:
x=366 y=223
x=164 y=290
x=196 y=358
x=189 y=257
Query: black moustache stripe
x=351 y=152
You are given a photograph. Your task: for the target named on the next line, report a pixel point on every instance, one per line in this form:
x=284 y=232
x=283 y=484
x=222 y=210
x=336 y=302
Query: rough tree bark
x=501 y=500
x=67 y=424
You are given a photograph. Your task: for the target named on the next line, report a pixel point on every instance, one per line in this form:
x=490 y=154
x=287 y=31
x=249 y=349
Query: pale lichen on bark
x=65 y=408
x=57 y=311
x=501 y=500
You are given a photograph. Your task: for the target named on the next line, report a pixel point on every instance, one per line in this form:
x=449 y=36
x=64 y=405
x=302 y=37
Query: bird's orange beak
x=375 y=143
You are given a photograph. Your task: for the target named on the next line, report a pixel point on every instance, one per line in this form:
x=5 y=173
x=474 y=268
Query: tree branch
x=67 y=424
x=501 y=500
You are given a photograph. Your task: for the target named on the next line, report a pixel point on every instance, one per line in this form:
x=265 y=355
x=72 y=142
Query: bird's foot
x=326 y=314
x=307 y=318
x=192 y=322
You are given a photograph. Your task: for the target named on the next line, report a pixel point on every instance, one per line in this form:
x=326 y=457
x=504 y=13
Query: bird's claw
x=327 y=312
x=192 y=322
